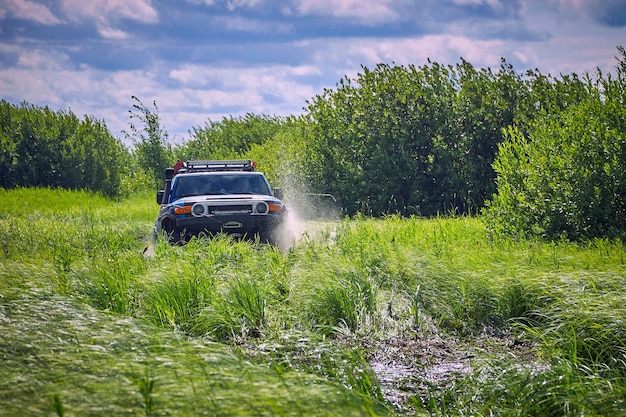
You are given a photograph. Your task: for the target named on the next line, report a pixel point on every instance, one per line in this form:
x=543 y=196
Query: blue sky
x=202 y=60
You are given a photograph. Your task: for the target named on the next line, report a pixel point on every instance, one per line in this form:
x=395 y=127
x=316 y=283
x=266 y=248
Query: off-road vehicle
x=216 y=196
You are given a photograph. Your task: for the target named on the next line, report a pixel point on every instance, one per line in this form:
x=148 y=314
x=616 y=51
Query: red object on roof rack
x=178 y=166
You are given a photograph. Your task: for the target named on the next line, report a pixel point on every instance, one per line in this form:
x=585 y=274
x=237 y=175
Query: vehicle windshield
x=216 y=184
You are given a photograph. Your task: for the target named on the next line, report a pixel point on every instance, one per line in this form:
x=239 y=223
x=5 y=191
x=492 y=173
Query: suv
x=213 y=197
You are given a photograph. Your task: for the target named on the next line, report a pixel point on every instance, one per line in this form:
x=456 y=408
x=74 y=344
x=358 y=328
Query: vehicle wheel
x=267 y=239
x=173 y=236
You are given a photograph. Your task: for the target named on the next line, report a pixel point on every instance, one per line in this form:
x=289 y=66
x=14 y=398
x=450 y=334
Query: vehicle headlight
x=261 y=207
x=198 y=209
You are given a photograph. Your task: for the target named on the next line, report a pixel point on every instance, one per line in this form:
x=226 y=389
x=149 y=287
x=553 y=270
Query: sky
x=203 y=60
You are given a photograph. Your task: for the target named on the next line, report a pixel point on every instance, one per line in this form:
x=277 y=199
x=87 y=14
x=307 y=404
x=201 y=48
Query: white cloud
x=29 y=10
x=110 y=10
x=492 y=3
x=206 y=93
x=558 y=55
x=566 y=55
x=39 y=59
x=346 y=55
x=305 y=70
x=241 y=24
x=236 y=4
x=365 y=11
x=32 y=86
x=111 y=33
x=204 y=2
x=570 y=4
x=233 y=77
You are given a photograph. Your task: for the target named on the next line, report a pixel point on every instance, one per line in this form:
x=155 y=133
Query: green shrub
x=567 y=178
x=46 y=148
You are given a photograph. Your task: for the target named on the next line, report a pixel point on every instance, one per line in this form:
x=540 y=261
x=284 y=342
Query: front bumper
x=242 y=216
x=237 y=224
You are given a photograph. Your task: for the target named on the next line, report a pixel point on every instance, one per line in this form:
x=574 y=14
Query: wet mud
x=410 y=369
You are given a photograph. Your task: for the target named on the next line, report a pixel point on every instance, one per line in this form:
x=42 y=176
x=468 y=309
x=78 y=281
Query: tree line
x=536 y=154
x=44 y=148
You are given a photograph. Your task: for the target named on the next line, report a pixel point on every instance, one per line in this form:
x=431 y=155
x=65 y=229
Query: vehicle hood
x=228 y=197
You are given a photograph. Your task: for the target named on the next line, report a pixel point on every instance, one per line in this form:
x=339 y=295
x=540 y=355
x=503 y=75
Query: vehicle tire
x=173 y=235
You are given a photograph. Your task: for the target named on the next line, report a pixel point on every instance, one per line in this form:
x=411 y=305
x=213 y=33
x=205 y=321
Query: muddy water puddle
x=406 y=368
x=410 y=369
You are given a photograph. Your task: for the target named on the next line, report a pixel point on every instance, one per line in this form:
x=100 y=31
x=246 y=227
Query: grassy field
x=367 y=317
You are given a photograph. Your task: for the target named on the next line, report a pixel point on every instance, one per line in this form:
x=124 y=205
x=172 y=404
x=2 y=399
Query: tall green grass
x=61 y=357
x=323 y=308
x=78 y=271
x=347 y=303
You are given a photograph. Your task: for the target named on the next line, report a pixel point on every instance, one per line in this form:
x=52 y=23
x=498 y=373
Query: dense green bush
x=567 y=177
x=44 y=148
x=413 y=140
x=229 y=138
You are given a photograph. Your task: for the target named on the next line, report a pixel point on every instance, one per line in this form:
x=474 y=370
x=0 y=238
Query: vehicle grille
x=230 y=209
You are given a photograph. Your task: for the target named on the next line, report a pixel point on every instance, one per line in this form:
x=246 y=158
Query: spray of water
x=309 y=213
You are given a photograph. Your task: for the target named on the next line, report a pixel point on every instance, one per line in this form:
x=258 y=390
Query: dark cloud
x=610 y=12
x=450 y=11
x=111 y=57
x=514 y=31
x=9 y=59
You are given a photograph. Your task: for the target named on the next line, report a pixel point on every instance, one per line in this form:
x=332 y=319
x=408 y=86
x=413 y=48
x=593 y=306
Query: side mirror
x=278 y=193
x=159 y=196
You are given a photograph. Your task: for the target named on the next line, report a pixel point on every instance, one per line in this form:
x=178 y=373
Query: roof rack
x=219 y=165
